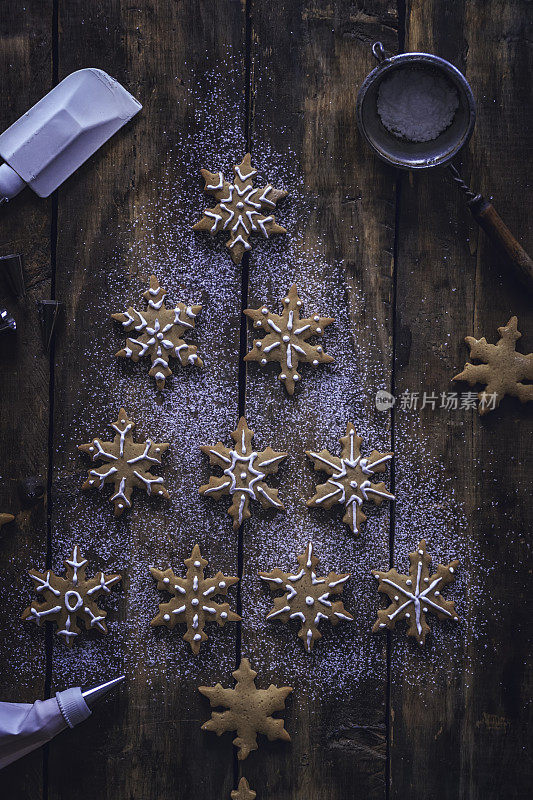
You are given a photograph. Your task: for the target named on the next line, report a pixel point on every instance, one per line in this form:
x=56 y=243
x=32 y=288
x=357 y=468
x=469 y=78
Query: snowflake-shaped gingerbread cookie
x=159 y=333
x=240 y=210
x=306 y=597
x=412 y=596
x=351 y=478
x=286 y=339
x=243 y=792
x=249 y=710
x=127 y=464
x=65 y=600
x=192 y=602
x=244 y=473
x=503 y=371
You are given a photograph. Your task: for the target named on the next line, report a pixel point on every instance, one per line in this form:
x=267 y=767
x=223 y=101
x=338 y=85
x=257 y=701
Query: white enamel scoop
x=51 y=140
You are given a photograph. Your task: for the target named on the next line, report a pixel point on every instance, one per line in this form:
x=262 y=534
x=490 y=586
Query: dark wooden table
x=397 y=260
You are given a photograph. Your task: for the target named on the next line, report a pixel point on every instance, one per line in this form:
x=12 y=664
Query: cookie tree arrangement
x=195 y=598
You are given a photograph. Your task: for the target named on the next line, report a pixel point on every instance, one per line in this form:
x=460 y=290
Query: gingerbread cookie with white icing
x=243 y=474
x=307 y=598
x=240 y=210
x=414 y=595
x=159 y=333
x=286 y=338
x=69 y=599
x=127 y=464
x=192 y=603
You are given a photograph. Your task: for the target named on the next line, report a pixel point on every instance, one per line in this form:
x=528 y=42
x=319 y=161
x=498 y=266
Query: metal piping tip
x=94 y=693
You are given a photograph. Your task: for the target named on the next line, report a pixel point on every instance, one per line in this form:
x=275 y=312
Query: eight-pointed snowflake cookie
x=243 y=792
x=65 y=600
x=127 y=464
x=351 y=478
x=249 y=710
x=159 y=333
x=413 y=596
x=306 y=597
x=503 y=370
x=240 y=210
x=286 y=339
x=244 y=473
x=192 y=602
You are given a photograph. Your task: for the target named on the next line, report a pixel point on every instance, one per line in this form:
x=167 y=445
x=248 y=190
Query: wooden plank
x=129 y=213
x=458 y=723
x=308 y=62
x=25 y=65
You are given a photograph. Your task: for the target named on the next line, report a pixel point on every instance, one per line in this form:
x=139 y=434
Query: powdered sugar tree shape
x=243 y=792
x=159 y=333
x=65 y=600
x=249 y=710
x=244 y=472
x=286 y=339
x=351 y=478
x=240 y=210
x=127 y=464
x=503 y=370
x=192 y=602
x=413 y=596
x=306 y=597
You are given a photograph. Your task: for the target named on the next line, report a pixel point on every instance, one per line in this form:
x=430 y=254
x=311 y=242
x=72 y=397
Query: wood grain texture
x=309 y=59
x=26 y=68
x=459 y=732
x=406 y=273
x=118 y=222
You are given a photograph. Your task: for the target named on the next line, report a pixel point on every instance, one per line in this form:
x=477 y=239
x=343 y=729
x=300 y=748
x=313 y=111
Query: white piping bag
x=51 y=140
x=25 y=727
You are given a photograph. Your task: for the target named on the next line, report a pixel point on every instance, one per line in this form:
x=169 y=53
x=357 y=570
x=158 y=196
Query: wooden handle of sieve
x=486 y=215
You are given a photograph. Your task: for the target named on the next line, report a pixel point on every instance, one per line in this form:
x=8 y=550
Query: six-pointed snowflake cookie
x=351 y=478
x=127 y=464
x=286 y=339
x=306 y=597
x=240 y=210
x=65 y=600
x=159 y=333
x=503 y=370
x=412 y=596
x=244 y=473
x=192 y=602
x=249 y=710
x=243 y=792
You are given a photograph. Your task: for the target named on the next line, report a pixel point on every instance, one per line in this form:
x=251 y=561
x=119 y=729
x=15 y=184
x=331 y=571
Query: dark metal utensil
x=405 y=154
x=11 y=267
x=7 y=323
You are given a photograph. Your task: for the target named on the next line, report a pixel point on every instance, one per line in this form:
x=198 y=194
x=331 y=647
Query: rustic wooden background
x=428 y=277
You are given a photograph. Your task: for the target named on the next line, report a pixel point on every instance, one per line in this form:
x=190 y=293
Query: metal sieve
x=405 y=154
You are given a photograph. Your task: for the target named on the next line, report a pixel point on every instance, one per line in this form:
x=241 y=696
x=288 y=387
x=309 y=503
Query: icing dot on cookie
x=287 y=301
x=166 y=617
x=194 y=601
x=316 y=318
x=243 y=476
x=296 y=377
x=223 y=615
x=286 y=338
x=264 y=310
x=258 y=344
x=409 y=582
x=315 y=363
x=222 y=585
x=264 y=361
x=166 y=580
x=319 y=330
x=309 y=601
x=197 y=564
x=282 y=377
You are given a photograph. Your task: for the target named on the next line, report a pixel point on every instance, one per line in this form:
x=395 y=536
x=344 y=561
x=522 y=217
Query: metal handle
x=378 y=51
x=487 y=218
